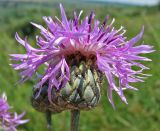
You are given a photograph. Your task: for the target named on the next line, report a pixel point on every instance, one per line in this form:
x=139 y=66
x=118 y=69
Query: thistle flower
x=92 y=48
x=9 y=121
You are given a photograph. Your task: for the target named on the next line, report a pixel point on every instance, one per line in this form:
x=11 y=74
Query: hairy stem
x=75 y=114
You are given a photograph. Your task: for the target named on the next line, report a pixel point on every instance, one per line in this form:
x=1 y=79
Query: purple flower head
x=115 y=56
x=9 y=121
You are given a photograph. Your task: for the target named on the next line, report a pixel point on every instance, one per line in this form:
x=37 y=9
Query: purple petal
x=64 y=18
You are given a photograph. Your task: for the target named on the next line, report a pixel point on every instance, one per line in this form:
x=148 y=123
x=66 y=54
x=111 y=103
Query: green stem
x=75 y=114
x=49 y=120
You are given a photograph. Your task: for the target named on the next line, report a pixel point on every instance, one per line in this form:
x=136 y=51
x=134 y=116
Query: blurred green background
x=143 y=110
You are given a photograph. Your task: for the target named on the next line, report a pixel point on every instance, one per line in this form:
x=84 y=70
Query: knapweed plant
x=77 y=55
x=8 y=120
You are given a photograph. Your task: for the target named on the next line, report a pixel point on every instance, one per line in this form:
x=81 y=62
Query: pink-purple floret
x=9 y=121
x=116 y=56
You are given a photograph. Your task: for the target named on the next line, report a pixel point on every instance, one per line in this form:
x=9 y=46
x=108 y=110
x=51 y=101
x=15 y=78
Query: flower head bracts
x=115 y=56
x=9 y=121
